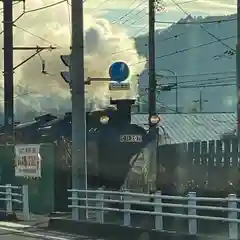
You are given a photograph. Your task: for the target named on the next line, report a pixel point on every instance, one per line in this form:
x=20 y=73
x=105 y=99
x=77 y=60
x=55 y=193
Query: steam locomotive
x=110 y=146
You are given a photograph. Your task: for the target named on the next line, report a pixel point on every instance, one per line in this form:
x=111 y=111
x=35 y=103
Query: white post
x=100 y=204
x=9 y=198
x=127 y=207
x=158 y=209
x=25 y=202
x=75 y=211
x=233 y=226
x=192 y=222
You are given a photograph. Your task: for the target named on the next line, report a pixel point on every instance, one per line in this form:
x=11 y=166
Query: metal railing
x=15 y=195
x=191 y=206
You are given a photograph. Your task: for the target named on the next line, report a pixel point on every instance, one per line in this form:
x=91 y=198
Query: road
x=11 y=231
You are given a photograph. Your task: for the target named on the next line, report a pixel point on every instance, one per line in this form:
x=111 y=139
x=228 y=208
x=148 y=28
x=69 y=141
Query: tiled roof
x=192 y=127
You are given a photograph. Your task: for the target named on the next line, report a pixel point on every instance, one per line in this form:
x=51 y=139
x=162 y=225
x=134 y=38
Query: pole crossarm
x=34 y=48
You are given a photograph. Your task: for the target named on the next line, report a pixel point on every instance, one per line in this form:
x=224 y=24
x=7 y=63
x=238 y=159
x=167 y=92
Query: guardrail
x=15 y=194
x=129 y=198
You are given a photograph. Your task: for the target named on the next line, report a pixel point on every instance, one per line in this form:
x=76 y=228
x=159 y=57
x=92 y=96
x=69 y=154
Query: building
x=180 y=128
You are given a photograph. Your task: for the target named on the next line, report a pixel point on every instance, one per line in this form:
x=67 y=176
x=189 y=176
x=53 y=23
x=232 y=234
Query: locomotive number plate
x=131 y=138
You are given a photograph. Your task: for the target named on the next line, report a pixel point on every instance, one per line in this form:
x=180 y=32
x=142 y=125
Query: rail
x=15 y=194
x=128 y=198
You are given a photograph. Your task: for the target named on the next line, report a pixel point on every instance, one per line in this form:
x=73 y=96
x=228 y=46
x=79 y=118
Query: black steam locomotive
x=110 y=146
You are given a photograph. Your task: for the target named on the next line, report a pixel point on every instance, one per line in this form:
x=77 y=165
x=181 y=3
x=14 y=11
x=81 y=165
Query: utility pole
x=151 y=65
x=79 y=165
x=8 y=65
x=153 y=118
x=238 y=68
x=8 y=68
x=201 y=101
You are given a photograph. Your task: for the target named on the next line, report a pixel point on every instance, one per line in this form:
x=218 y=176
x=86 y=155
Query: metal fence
x=11 y=195
x=190 y=204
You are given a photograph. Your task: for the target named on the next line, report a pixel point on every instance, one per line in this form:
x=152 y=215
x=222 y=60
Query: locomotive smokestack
x=123 y=109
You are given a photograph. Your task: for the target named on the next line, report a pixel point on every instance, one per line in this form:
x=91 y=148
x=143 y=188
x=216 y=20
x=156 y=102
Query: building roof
x=193 y=127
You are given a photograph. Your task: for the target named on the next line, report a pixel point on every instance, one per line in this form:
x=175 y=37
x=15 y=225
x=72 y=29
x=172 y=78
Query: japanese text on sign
x=27 y=161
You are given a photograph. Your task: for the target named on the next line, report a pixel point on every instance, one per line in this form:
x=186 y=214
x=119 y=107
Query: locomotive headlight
x=104 y=119
x=155 y=119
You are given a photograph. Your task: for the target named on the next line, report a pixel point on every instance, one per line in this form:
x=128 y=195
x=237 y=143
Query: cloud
x=105 y=43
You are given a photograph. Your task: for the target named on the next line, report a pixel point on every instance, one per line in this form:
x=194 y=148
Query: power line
x=129 y=12
x=39 y=37
x=203 y=80
x=143 y=16
x=100 y=5
x=136 y=14
x=45 y=7
x=169 y=38
x=157 y=41
x=204 y=29
x=208 y=80
x=209 y=86
x=201 y=74
x=186 y=49
x=198 y=22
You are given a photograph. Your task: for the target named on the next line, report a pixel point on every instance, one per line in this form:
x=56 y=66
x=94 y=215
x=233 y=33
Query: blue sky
x=132 y=14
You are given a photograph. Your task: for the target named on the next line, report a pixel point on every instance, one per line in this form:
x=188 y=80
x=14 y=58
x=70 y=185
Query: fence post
x=233 y=226
x=9 y=198
x=75 y=210
x=100 y=204
x=127 y=207
x=25 y=202
x=192 y=222
x=158 y=209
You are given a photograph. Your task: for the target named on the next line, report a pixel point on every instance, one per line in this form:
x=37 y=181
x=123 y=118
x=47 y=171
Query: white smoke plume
x=105 y=43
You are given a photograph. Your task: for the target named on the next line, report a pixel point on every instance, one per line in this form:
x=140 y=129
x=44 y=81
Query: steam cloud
x=105 y=43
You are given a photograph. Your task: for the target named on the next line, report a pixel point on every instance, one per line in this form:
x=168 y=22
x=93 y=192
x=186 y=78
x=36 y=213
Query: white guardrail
x=15 y=194
x=128 y=198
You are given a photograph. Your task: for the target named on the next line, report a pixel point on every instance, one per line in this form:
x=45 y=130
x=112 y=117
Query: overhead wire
x=202 y=80
x=131 y=11
x=201 y=74
x=69 y=17
x=100 y=5
x=35 y=10
x=186 y=49
x=209 y=85
x=33 y=34
x=224 y=79
x=158 y=8
x=197 y=22
x=45 y=7
x=205 y=29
